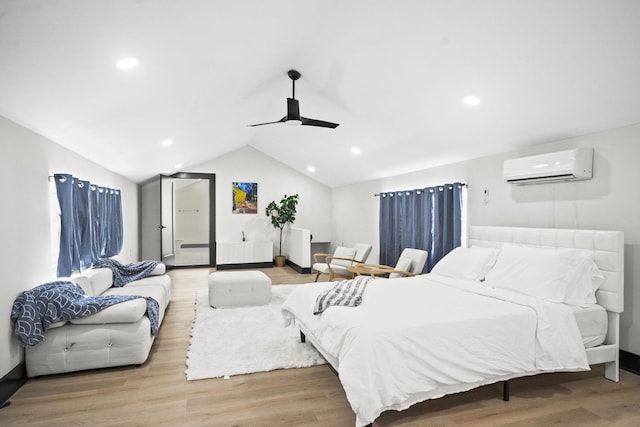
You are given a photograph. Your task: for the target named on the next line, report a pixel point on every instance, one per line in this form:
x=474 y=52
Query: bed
x=475 y=320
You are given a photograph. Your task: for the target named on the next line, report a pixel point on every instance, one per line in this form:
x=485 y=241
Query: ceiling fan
x=293 y=110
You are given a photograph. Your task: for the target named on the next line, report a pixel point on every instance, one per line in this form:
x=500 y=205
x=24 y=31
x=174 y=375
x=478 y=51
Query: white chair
x=410 y=263
x=336 y=264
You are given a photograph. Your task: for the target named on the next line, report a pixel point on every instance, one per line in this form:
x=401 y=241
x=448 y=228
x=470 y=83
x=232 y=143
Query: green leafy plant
x=282 y=214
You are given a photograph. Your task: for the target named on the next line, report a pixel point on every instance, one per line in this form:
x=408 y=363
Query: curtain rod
x=460 y=183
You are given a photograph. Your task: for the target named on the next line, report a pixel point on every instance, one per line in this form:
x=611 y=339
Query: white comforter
x=420 y=338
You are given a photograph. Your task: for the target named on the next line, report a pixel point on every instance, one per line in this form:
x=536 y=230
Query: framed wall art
x=245 y=197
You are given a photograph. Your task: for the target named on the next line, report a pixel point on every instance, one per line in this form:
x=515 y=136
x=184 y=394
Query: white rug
x=235 y=341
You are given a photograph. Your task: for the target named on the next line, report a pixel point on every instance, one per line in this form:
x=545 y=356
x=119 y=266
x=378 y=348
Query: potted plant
x=281 y=215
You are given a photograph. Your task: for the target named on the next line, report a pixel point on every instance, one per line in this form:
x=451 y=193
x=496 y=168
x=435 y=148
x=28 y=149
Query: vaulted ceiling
x=393 y=74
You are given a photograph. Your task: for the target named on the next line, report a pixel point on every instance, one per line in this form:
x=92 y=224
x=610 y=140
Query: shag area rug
x=243 y=340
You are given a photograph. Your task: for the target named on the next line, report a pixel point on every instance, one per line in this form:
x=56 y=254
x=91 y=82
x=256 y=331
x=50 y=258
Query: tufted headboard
x=608 y=248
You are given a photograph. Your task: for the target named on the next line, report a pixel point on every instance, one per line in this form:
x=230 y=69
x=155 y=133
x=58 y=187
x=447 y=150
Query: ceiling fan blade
x=282 y=120
x=320 y=123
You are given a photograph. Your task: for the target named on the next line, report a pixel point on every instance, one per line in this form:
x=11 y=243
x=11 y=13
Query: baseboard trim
x=244 y=265
x=296 y=267
x=630 y=362
x=11 y=382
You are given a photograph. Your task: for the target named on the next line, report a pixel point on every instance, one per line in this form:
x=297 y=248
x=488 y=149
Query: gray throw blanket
x=126 y=273
x=36 y=309
x=347 y=293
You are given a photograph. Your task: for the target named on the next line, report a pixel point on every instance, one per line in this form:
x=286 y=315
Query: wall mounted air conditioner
x=569 y=165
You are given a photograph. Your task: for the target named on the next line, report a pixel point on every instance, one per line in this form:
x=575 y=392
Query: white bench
x=238 y=288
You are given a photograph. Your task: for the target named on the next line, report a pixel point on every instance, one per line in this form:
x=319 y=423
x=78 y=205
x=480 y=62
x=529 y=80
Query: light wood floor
x=158 y=393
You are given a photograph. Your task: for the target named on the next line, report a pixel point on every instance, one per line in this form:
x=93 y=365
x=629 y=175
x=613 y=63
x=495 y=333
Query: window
x=429 y=219
x=90 y=223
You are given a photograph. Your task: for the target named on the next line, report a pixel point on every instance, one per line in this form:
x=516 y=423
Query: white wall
x=26 y=162
x=274 y=181
x=608 y=201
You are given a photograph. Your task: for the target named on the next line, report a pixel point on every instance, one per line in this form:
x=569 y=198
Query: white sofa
x=118 y=335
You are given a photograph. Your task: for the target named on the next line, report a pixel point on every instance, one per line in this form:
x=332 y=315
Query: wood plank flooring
x=158 y=393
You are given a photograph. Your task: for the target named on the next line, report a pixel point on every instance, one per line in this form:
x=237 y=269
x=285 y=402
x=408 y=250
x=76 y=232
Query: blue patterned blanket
x=37 y=309
x=125 y=273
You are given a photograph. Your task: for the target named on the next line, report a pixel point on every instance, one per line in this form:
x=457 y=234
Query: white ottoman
x=239 y=288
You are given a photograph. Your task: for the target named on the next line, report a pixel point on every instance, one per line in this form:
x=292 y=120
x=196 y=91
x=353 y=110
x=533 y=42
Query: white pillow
x=404 y=264
x=583 y=282
x=342 y=252
x=466 y=263
x=557 y=275
x=160 y=269
x=125 y=312
x=83 y=282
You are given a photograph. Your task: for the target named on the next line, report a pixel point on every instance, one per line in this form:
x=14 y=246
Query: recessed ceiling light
x=179 y=165
x=471 y=101
x=356 y=150
x=166 y=142
x=127 y=63
x=311 y=169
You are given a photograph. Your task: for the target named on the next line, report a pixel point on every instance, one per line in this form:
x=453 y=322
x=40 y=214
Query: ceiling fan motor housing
x=294 y=75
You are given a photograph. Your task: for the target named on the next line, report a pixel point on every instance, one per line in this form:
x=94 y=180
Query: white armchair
x=335 y=265
x=410 y=263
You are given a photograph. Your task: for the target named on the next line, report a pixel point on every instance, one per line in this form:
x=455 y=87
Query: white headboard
x=608 y=248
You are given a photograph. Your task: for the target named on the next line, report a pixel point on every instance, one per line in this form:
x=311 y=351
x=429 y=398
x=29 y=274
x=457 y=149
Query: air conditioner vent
x=568 y=165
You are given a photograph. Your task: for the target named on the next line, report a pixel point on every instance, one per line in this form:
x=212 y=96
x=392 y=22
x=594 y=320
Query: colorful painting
x=245 y=197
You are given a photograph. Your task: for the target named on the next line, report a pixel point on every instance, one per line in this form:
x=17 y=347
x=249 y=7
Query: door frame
x=212 y=211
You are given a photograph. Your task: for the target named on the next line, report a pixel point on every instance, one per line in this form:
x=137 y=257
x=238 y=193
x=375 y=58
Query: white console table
x=244 y=254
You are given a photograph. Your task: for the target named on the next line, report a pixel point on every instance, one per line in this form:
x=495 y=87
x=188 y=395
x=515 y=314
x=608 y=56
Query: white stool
x=239 y=288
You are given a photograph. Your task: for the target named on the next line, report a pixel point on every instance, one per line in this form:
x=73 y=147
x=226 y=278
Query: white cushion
x=342 y=252
x=155 y=292
x=322 y=267
x=101 y=279
x=124 y=312
x=160 y=269
x=362 y=251
x=466 y=263
x=163 y=282
x=404 y=264
x=84 y=282
x=57 y=324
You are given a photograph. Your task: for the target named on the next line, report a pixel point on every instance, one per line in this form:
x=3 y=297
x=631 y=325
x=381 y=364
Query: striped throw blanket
x=346 y=293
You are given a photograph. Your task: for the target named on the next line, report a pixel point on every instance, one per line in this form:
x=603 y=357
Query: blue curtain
x=82 y=223
x=90 y=223
x=68 y=255
x=94 y=205
x=428 y=218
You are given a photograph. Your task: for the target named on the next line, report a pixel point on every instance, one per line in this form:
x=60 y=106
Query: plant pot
x=280 y=260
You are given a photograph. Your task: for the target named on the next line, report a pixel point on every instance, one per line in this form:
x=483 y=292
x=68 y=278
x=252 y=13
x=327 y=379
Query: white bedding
x=420 y=338
x=593 y=323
